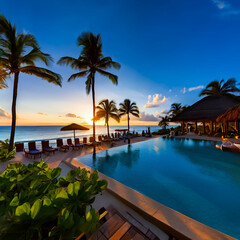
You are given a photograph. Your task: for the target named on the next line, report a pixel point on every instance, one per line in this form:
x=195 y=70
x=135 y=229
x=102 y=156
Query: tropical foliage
x=18 y=54
x=36 y=203
x=175 y=109
x=220 y=88
x=90 y=62
x=127 y=108
x=5 y=155
x=107 y=109
x=3 y=77
x=164 y=122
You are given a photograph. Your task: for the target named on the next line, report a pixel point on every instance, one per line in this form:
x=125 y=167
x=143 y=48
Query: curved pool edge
x=170 y=221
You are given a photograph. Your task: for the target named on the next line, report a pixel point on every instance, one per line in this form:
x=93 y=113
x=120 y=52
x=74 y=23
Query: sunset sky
x=168 y=50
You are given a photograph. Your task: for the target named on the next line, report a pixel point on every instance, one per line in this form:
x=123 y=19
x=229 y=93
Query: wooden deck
x=116 y=227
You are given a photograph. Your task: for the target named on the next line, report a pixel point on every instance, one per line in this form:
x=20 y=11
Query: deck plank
x=97 y=236
x=111 y=225
x=121 y=231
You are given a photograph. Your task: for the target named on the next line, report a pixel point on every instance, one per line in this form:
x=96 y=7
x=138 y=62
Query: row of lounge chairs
x=46 y=148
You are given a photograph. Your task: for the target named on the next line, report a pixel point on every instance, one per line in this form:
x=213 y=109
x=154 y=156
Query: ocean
x=51 y=133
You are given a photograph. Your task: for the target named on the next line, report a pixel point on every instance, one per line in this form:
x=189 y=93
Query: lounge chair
x=114 y=138
x=96 y=143
x=77 y=143
x=47 y=148
x=107 y=139
x=86 y=143
x=32 y=150
x=70 y=144
x=60 y=145
x=19 y=147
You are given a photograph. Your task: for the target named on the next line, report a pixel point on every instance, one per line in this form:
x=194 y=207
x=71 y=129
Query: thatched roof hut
x=207 y=109
x=232 y=114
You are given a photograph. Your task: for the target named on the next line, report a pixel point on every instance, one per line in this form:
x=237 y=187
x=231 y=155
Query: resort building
x=206 y=111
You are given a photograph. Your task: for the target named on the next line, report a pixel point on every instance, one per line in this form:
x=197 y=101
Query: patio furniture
x=70 y=144
x=60 y=145
x=47 y=148
x=77 y=143
x=19 y=147
x=32 y=150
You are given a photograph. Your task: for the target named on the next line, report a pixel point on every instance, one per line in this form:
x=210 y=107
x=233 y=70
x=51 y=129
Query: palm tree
x=175 y=109
x=90 y=62
x=128 y=107
x=220 y=88
x=3 y=76
x=18 y=53
x=107 y=109
x=164 y=122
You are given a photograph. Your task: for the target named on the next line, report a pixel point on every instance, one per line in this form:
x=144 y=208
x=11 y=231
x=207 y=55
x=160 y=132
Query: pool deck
x=161 y=220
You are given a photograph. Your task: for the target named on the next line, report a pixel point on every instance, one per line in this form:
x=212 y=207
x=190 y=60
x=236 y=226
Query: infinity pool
x=190 y=176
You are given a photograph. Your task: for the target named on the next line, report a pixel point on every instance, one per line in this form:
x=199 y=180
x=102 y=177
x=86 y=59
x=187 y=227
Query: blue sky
x=168 y=51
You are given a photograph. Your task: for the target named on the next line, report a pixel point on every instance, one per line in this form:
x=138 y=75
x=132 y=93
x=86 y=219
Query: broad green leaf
x=56 y=172
x=70 y=189
x=14 y=202
x=63 y=194
x=76 y=187
x=36 y=208
x=89 y=216
x=46 y=201
x=23 y=209
x=2 y=198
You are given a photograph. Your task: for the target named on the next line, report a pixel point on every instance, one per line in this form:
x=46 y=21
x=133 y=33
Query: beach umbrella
x=73 y=127
x=232 y=114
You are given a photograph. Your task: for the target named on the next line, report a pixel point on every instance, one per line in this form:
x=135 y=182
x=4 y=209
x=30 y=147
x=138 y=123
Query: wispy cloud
x=184 y=90
x=225 y=7
x=43 y=114
x=70 y=115
x=155 y=101
x=147 y=117
x=4 y=114
x=220 y=4
x=164 y=111
x=195 y=88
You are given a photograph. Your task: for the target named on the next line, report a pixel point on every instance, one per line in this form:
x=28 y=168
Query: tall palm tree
x=18 y=54
x=175 y=109
x=107 y=109
x=90 y=62
x=128 y=107
x=220 y=88
x=164 y=122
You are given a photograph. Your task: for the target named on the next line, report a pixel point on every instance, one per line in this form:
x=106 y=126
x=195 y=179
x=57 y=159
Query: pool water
x=190 y=176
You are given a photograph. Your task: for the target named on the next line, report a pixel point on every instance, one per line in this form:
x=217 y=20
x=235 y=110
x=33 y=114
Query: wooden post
x=227 y=127
x=211 y=126
x=195 y=126
x=204 y=127
x=182 y=127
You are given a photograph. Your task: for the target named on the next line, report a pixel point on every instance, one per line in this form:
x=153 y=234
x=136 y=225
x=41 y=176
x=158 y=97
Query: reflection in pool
x=190 y=176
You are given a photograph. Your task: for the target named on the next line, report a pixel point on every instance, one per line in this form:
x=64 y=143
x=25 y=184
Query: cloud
x=184 y=90
x=220 y=4
x=225 y=7
x=43 y=114
x=71 y=115
x=84 y=123
x=164 y=111
x=4 y=114
x=147 y=117
x=170 y=90
x=195 y=88
x=155 y=101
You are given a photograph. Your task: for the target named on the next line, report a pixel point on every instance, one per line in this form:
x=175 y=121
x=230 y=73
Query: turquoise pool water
x=190 y=176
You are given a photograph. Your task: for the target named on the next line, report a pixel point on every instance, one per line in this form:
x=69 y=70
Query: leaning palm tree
x=90 y=62
x=220 y=88
x=128 y=107
x=107 y=109
x=164 y=122
x=18 y=54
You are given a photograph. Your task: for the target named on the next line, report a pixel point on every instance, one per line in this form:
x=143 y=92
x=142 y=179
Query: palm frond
x=77 y=75
x=43 y=73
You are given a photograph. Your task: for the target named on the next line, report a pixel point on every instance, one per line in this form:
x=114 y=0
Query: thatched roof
x=73 y=126
x=232 y=114
x=208 y=108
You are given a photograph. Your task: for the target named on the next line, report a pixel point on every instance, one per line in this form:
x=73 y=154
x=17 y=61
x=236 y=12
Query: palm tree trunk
x=108 y=129
x=128 y=123
x=14 y=101
x=93 y=99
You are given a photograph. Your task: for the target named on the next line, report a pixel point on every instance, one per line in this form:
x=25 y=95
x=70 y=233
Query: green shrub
x=161 y=132
x=4 y=154
x=35 y=203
